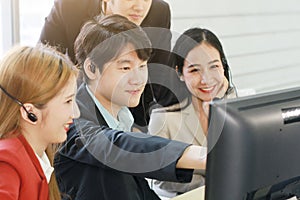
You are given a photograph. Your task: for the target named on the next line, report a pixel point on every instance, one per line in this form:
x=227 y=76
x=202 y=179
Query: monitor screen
x=254 y=147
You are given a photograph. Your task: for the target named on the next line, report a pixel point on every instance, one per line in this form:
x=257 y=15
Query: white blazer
x=180 y=125
x=183 y=126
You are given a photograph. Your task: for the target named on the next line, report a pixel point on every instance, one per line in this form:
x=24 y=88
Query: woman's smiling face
x=203 y=72
x=59 y=114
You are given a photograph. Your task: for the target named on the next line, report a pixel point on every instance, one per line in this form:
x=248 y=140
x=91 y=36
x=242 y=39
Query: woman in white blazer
x=203 y=74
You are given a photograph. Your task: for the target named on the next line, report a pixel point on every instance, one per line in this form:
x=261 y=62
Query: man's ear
x=29 y=113
x=89 y=69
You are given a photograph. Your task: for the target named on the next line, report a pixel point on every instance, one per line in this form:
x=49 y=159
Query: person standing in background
x=37 y=98
x=66 y=18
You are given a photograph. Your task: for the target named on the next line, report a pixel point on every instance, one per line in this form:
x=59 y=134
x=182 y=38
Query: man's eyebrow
x=124 y=61
x=194 y=65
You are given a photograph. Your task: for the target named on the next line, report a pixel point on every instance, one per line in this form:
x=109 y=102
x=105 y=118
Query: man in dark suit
x=63 y=24
x=98 y=162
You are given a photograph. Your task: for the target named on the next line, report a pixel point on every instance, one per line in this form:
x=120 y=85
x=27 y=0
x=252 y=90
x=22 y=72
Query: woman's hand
x=220 y=94
x=194 y=157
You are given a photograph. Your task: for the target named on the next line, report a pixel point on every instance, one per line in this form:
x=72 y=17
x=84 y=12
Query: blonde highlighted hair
x=31 y=75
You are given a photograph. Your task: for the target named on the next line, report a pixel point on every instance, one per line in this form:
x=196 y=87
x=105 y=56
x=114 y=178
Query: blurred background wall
x=261 y=38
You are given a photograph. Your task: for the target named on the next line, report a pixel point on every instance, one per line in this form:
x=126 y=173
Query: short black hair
x=104 y=37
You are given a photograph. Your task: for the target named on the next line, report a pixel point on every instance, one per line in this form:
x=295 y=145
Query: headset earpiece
x=32 y=117
x=92 y=68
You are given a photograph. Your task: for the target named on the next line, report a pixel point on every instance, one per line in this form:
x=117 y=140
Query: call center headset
x=32 y=117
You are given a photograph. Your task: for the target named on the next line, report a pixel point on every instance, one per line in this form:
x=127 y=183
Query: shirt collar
x=46 y=166
x=124 y=119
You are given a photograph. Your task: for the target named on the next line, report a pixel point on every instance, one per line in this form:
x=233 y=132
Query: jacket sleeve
x=9 y=182
x=134 y=153
x=159 y=15
x=197 y=181
x=64 y=22
x=54 y=30
x=157 y=26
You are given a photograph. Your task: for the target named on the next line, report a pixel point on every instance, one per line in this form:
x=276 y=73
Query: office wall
x=20 y=23
x=6 y=26
x=261 y=38
x=32 y=20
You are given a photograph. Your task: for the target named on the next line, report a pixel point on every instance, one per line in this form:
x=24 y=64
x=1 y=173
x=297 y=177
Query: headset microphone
x=32 y=117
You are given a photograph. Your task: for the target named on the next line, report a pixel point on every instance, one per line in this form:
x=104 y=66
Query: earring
x=181 y=78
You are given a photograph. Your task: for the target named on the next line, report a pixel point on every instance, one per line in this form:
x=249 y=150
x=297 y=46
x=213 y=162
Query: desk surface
x=196 y=194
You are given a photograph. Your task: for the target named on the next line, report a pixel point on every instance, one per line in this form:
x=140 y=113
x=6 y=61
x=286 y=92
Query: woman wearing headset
x=37 y=105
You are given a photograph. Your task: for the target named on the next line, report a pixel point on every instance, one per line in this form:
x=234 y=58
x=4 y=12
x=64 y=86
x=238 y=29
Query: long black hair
x=192 y=38
x=187 y=41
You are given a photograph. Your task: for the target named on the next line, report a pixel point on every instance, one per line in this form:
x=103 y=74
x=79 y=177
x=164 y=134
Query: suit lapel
x=100 y=118
x=88 y=107
x=33 y=157
x=44 y=189
x=192 y=123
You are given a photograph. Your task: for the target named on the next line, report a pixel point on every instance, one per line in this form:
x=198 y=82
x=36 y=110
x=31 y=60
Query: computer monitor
x=254 y=147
